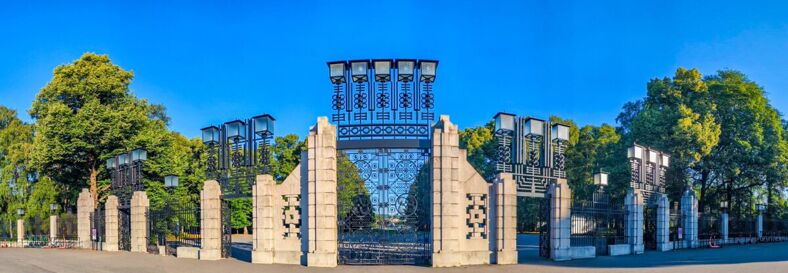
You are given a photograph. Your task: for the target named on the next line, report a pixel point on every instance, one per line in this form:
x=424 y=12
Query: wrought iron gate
x=97 y=228
x=544 y=228
x=598 y=224
x=227 y=230
x=650 y=231
x=124 y=228
x=383 y=200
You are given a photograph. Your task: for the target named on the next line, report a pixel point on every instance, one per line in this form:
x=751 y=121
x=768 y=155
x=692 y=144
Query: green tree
x=286 y=154
x=87 y=114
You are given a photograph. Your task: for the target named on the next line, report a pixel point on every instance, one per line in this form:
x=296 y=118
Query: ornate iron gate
x=650 y=231
x=544 y=227
x=227 y=230
x=383 y=207
x=97 y=228
x=124 y=228
x=597 y=224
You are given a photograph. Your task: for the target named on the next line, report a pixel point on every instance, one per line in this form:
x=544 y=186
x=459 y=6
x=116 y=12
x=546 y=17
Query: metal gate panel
x=124 y=229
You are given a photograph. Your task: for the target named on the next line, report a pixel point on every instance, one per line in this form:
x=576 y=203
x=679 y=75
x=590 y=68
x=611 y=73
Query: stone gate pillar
x=85 y=207
x=52 y=228
x=560 y=220
x=759 y=224
x=211 y=221
x=689 y=215
x=139 y=221
x=20 y=232
x=111 y=224
x=460 y=203
x=634 y=220
x=663 y=223
x=503 y=212
x=320 y=190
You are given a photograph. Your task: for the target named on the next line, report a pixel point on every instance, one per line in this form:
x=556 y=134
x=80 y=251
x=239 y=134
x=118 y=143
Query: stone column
x=139 y=221
x=321 y=195
x=724 y=226
x=20 y=232
x=111 y=224
x=634 y=220
x=52 y=228
x=85 y=207
x=759 y=224
x=689 y=215
x=211 y=221
x=263 y=220
x=504 y=215
x=663 y=223
x=560 y=220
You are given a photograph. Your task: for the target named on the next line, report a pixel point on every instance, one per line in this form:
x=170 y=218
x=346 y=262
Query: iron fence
x=36 y=232
x=774 y=230
x=7 y=233
x=97 y=228
x=709 y=234
x=742 y=230
x=676 y=231
x=66 y=232
x=597 y=224
x=173 y=228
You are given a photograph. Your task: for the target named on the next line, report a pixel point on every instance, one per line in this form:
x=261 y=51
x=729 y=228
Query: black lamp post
x=238 y=150
x=533 y=150
x=126 y=174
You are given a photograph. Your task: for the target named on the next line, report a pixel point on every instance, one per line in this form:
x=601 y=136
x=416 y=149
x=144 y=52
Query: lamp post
x=600 y=181
x=237 y=151
x=532 y=149
x=126 y=174
x=20 y=212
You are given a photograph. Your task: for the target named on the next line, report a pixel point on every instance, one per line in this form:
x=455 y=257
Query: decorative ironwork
x=648 y=168
x=393 y=105
x=126 y=173
x=124 y=229
x=543 y=217
x=227 y=230
x=173 y=228
x=476 y=216
x=97 y=228
x=237 y=152
x=291 y=216
x=599 y=223
x=532 y=150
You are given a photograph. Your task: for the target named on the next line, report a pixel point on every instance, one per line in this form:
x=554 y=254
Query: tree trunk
x=94 y=185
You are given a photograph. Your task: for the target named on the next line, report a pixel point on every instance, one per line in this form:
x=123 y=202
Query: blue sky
x=216 y=61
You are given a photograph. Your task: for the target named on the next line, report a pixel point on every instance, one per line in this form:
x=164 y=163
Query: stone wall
x=139 y=221
x=320 y=189
x=276 y=219
x=85 y=207
x=211 y=221
x=460 y=202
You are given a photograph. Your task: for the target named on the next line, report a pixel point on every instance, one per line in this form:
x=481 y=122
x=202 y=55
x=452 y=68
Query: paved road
x=763 y=258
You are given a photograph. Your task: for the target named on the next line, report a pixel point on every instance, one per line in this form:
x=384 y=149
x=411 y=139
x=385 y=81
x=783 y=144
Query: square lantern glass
x=635 y=152
x=560 y=132
x=139 y=155
x=534 y=127
x=52 y=207
x=653 y=156
x=504 y=121
x=336 y=71
x=263 y=125
x=123 y=159
x=20 y=212
x=210 y=135
x=428 y=70
x=405 y=69
x=600 y=179
x=236 y=129
x=358 y=69
x=110 y=163
x=665 y=160
x=382 y=70
x=170 y=181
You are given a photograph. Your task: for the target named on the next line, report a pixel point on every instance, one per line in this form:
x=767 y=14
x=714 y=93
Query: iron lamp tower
x=126 y=174
x=648 y=167
x=237 y=151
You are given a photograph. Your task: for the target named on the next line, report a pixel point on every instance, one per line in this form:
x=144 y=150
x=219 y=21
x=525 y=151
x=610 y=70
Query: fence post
x=20 y=232
x=634 y=222
x=111 y=223
x=560 y=220
x=139 y=221
x=689 y=214
x=211 y=221
x=724 y=226
x=759 y=224
x=85 y=206
x=52 y=228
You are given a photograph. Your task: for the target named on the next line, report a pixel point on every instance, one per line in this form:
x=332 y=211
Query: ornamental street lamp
x=239 y=150
x=170 y=181
x=126 y=174
x=724 y=206
x=600 y=181
x=648 y=168
x=20 y=212
x=52 y=208
x=533 y=150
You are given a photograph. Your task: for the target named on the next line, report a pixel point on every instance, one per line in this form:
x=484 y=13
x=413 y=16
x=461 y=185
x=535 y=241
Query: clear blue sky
x=215 y=62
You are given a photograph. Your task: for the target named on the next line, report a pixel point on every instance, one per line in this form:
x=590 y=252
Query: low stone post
x=139 y=221
x=663 y=223
x=724 y=226
x=560 y=220
x=504 y=219
x=85 y=207
x=634 y=220
x=20 y=232
x=111 y=224
x=689 y=214
x=52 y=228
x=211 y=221
x=759 y=224
x=321 y=195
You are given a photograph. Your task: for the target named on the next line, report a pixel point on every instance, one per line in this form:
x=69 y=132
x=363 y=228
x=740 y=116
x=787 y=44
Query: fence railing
x=597 y=224
x=172 y=228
